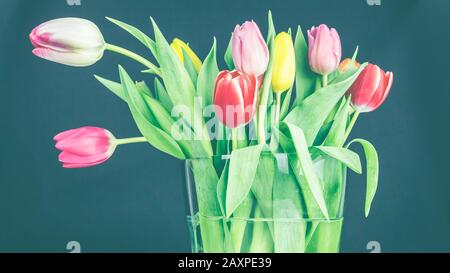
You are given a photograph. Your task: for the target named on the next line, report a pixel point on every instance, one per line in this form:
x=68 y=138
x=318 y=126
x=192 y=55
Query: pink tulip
x=69 y=41
x=370 y=89
x=249 y=50
x=85 y=146
x=324 y=50
x=235 y=98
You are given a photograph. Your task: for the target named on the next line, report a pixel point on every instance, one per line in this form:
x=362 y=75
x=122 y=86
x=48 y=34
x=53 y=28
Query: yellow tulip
x=178 y=46
x=283 y=74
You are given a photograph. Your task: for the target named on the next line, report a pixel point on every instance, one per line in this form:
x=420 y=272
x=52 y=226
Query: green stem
x=325 y=80
x=130 y=140
x=262 y=107
x=277 y=107
x=234 y=138
x=134 y=56
x=350 y=126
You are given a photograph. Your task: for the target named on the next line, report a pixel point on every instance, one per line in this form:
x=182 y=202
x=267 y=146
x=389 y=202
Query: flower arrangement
x=265 y=141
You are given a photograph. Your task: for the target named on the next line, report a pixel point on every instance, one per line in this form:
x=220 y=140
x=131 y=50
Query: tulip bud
x=178 y=46
x=85 y=146
x=345 y=64
x=283 y=74
x=324 y=49
x=235 y=96
x=370 y=89
x=70 y=41
x=249 y=50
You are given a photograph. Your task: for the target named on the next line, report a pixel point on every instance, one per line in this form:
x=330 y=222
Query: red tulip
x=235 y=96
x=370 y=89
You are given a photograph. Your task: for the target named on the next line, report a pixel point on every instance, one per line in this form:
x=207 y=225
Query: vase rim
x=198 y=216
x=228 y=156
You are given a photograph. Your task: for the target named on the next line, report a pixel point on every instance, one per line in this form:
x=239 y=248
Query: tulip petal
x=364 y=87
x=324 y=50
x=69 y=33
x=65 y=134
x=68 y=157
x=389 y=79
x=249 y=50
x=77 y=59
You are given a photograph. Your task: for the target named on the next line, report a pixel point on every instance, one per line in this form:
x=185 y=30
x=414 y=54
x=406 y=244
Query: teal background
x=135 y=202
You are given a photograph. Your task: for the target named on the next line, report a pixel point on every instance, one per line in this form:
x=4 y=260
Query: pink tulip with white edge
x=69 y=41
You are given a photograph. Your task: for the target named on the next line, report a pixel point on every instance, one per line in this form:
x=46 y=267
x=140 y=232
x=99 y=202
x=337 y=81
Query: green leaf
x=243 y=165
x=180 y=88
x=262 y=186
x=190 y=68
x=229 y=55
x=336 y=135
x=112 y=86
x=286 y=103
x=305 y=78
x=289 y=236
x=344 y=155
x=155 y=136
x=371 y=170
x=237 y=228
x=222 y=186
x=213 y=232
x=262 y=241
x=207 y=77
x=355 y=54
x=312 y=112
x=176 y=79
x=143 y=88
x=162 y=96
x=271 y=28
x=305 y=163
x=322 y=134
x=221 y=144
x=139 y=35
x=117 y=88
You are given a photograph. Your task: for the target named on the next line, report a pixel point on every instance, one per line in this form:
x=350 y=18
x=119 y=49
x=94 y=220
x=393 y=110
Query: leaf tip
x=355 y=54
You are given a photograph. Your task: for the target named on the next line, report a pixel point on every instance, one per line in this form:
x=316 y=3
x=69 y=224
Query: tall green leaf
x=289 y=236
x=228 y=57
x=222 y=186
x=114 y=87
x=243 y=165
x=207 y=77
x=143 y=88
x=304 y=163
x=155 y=136
x=262 y=186
x=286 y=104
x=190 y=67
x=312 y=112
x=139 y=35
x=336 y=135
x=180 y=87
x=162 y=96
x=176 y=79
x=305 y=78
x=371 y=170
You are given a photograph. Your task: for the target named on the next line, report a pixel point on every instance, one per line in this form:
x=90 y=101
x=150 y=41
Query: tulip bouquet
x=264 y=142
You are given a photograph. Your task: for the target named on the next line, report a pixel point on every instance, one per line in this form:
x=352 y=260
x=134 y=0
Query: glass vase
x=278 y=215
